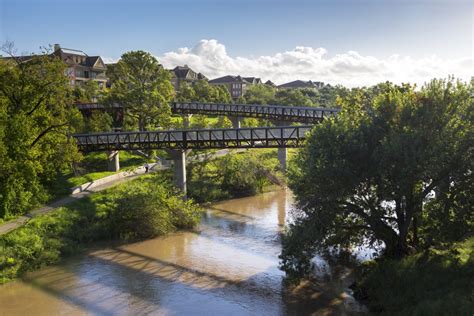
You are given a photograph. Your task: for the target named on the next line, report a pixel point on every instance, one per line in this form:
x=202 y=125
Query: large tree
x=143 y=88
x=393 y=169
x=36 y=115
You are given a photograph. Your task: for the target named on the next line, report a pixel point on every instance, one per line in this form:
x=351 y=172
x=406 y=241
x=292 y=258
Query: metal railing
x=275 y=112
x=259 y=137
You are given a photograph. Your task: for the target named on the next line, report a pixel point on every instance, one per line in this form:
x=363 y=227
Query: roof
x=182 y=72
x=270 y=83
x=73 y=52
x=301 y=84
x=229 y=79
x=92 y=60
x=253 y=80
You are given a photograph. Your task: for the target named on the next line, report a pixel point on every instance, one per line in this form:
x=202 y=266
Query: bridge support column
x=113 y=160
x=179 y=168
x=235 y=120
x=282 y=156
x=187 y=120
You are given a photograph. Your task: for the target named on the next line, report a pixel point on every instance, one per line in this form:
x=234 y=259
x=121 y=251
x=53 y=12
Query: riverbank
x=105 y=215
x=85 y=217
x=435 y=282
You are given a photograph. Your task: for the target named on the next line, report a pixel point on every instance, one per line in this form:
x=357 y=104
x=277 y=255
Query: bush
x=236 y=175
x=436 y=282
x=140 y=209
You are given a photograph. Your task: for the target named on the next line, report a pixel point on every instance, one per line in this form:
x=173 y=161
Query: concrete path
x=78 y=194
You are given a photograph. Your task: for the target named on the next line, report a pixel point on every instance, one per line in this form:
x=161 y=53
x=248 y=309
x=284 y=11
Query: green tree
x=143 y=88
x=292 y=97
x=375 y=173
x=87 y=92
x=36 y=114
x=260 y=94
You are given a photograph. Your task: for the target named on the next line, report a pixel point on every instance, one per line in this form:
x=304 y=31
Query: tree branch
x=46 y=131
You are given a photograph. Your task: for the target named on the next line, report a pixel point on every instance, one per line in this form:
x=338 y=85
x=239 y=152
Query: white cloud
x=307 y=63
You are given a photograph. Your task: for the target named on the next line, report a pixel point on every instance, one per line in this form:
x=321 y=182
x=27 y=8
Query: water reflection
x=229 y=265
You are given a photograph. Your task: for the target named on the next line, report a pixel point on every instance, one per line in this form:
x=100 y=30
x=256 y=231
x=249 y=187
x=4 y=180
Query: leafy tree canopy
x=394 y=168
x=36 y=113
x=143 y=88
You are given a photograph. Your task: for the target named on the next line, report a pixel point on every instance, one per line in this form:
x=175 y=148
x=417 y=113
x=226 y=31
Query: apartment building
x=82 y=67
x=182 y=74
x=236 y=85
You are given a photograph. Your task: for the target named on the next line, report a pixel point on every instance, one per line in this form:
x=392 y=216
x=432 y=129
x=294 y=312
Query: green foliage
x=377 y=172
x=98 y=122
x=435 y=282
x=231 y=176
x=86 y=92
x=260 y=94
x=143 y=88
x=36 y=114
x=294 y=97
x=139 y=209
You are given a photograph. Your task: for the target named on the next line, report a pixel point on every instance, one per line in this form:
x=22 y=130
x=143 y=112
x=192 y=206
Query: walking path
x=90 y=188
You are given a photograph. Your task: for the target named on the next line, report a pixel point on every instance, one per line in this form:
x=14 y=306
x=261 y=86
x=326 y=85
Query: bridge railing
x=260 y=137
x=277 y=112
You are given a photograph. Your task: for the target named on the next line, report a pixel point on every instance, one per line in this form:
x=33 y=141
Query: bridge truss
x=259 y=137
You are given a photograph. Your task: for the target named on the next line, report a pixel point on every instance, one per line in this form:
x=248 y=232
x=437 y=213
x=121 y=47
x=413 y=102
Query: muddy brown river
x=228 y=266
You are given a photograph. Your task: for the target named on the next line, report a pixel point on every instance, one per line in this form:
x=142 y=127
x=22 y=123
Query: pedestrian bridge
x=274 y=112
x=301 y=114
x=258 y=137
x=179 y=142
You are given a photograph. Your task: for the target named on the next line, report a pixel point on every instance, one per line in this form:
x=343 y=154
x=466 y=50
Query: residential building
x=300 y=84
x=185 y=74
x=236 y=85
x=82 y=67
x=270 y=83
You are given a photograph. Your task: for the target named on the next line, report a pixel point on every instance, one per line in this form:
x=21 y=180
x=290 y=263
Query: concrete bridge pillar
x=235 y=120
x=187 y=120
x=113 y=160
x=282 y=152
x=282 y=157
x=179 y=168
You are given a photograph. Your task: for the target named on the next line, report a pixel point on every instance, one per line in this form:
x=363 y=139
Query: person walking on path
x=146 y=167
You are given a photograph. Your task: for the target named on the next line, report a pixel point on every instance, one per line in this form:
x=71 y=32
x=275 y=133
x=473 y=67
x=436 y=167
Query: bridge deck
x=259 y=137
x=276 y=112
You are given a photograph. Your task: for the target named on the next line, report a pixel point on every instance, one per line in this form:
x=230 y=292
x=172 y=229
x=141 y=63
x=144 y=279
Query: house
x=185 y=74
x=82 y=67
x=300 y=84
x=270 y=84
x=236 y=85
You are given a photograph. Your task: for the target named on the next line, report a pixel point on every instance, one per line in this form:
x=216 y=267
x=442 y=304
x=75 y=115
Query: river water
x=227 y=266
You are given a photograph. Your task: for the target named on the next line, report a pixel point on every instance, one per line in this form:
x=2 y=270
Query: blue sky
x=247 y=29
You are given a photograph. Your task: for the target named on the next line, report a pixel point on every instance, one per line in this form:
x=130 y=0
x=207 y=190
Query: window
x=86 y=74
x=78 y=73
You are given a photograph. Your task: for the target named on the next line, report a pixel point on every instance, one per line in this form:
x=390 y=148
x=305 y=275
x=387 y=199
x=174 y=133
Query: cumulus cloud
x=308 y=63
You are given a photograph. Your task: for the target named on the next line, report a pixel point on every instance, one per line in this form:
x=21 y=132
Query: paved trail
x=20 y=221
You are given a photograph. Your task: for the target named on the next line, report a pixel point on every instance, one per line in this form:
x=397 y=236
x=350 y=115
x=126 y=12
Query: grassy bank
x=232 y=176
x=435 y=282
x=139 y=209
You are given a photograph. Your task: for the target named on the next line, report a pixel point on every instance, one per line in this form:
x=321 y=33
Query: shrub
x=231 y=176
x=142 y=208
x=436 y=282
